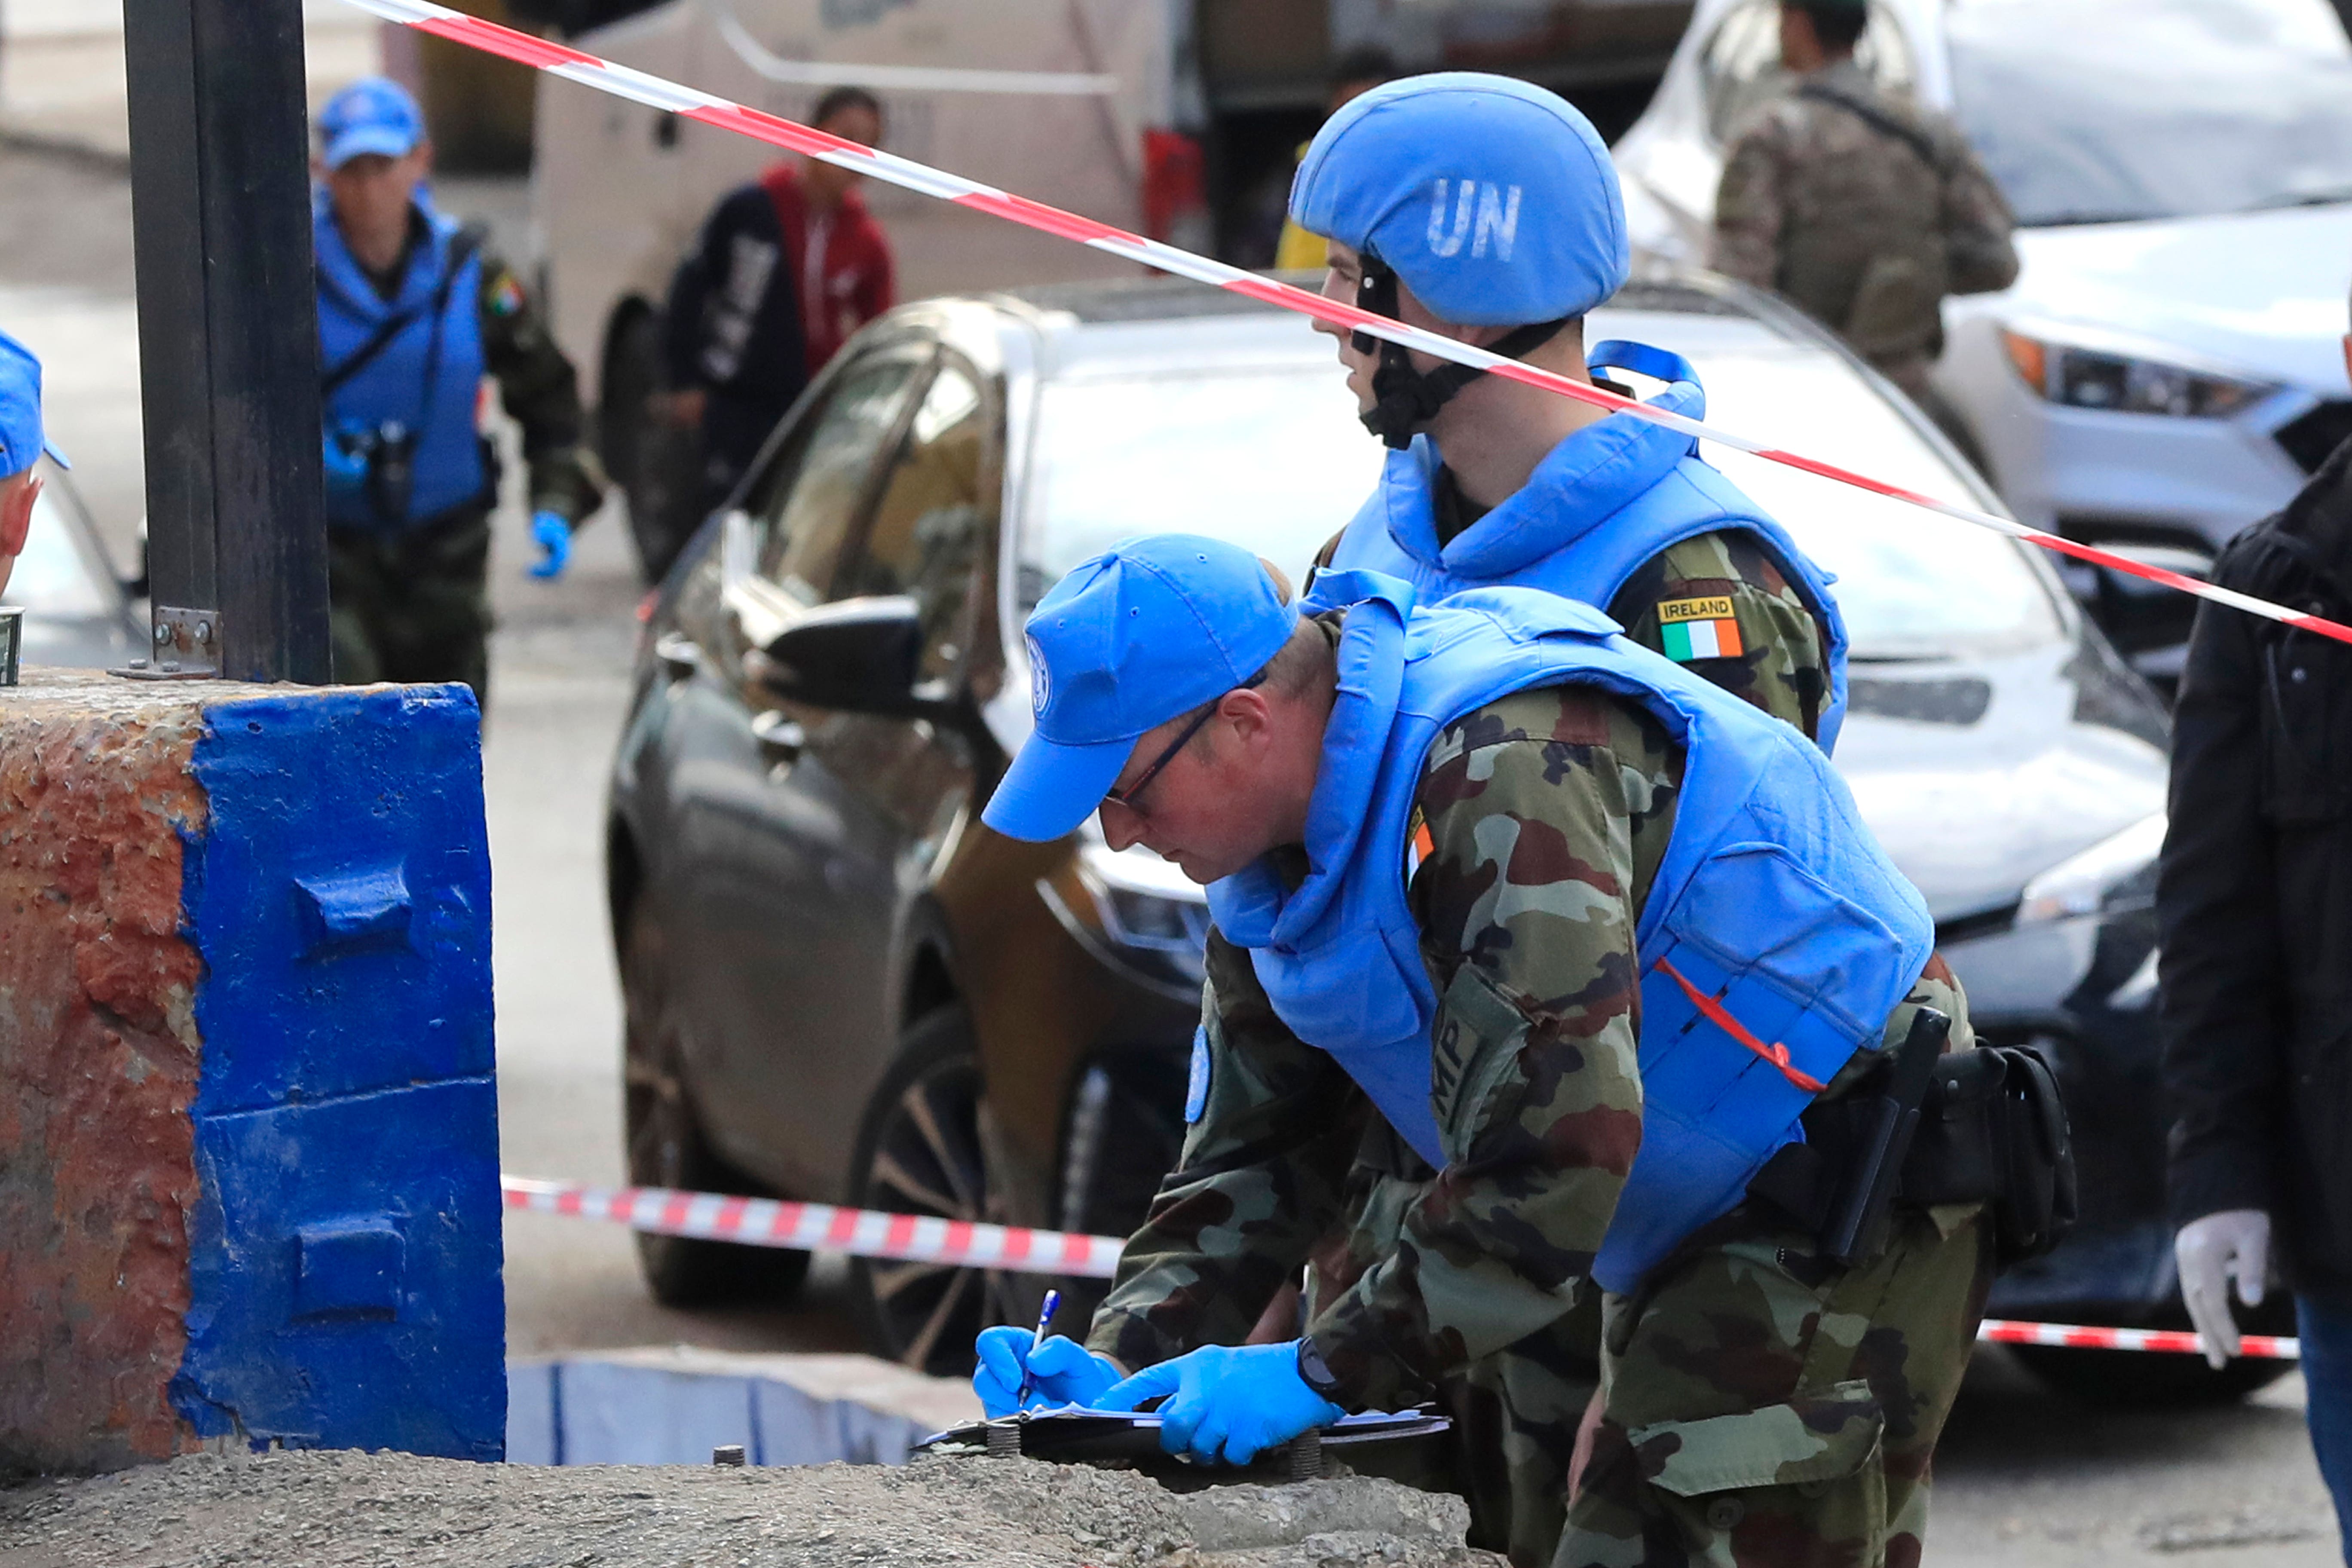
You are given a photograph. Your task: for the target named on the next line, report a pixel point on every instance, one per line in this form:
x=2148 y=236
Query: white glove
x=2209 y=1252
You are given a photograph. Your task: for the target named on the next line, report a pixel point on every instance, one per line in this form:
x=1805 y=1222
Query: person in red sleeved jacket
x=784 y=270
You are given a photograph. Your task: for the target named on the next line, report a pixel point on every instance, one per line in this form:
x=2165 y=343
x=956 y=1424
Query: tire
x=1123 y=1133
x=656 y=464
x=2129 y=1380
x=667 y=1148
x=918 y=1152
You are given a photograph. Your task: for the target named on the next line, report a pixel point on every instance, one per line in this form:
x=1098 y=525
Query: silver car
x=842 y=987
x=2166 y=368
x=79 y=613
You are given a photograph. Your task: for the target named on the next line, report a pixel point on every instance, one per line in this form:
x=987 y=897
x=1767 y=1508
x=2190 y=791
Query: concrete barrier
x=249 y=1147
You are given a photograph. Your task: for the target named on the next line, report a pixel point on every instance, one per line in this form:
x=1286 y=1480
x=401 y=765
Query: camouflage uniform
x=1864 y=210
x=1782 y=667
x=1549 y=812
x=414 y=605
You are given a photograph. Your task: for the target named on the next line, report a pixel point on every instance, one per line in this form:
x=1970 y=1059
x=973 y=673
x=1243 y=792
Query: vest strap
x=1720 y=1017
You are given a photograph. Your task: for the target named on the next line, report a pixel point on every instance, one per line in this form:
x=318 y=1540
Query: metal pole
x=228 y=337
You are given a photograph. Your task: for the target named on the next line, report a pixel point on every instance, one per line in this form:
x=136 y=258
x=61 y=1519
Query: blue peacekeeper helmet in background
x=1492 y=200
x=1129 y=640
x=21 y=441
x=375 y=114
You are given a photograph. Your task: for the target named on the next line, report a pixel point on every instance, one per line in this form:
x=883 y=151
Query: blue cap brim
x=55 y=456
x=364 y=139
x=1051 y=788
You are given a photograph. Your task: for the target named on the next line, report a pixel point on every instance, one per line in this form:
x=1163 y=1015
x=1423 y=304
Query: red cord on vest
x=1720 y=1017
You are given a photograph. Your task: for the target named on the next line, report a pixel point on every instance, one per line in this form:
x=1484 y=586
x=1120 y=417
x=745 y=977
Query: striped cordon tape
x=925 y=1238
x=572 y=65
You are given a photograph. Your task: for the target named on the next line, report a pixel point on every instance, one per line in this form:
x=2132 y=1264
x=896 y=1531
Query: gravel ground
x=349 y=1509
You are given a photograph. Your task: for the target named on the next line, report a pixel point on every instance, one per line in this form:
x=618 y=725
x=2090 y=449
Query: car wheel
x=667 y=1147
x=654 y=463
x=1124 y=1132
x=920 y=1152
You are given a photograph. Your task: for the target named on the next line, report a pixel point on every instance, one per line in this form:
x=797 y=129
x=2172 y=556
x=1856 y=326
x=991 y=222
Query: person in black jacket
x=2255 y=898
x=786 y=269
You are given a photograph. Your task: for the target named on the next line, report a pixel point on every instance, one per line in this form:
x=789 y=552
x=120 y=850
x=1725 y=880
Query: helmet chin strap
x=1407 y=399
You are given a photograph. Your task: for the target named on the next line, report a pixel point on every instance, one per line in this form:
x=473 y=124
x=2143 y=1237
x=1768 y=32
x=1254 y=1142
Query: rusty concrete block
x=247 y=1135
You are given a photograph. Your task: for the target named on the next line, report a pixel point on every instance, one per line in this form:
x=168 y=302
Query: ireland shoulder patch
x=1699 y=628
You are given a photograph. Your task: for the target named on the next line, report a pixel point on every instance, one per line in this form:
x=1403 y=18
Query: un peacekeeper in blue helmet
x=1542 y=1047
x=22 y=445
x=1487 y=210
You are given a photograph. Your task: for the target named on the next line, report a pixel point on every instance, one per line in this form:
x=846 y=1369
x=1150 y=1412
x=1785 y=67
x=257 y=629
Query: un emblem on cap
x=1041 y=679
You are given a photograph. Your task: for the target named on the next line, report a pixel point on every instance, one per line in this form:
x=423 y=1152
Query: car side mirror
x=858 y=655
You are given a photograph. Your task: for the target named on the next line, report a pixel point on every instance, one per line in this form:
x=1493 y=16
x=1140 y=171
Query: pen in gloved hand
x=1045 y=1319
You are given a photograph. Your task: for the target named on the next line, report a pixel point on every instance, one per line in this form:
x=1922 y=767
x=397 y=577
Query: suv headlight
x=1146 y=917
x=2112 y=875
x=2088 y=378
x=1145 y=902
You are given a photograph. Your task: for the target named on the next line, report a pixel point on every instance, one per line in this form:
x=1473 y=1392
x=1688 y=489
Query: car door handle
x=780 y=737
x=677 y=653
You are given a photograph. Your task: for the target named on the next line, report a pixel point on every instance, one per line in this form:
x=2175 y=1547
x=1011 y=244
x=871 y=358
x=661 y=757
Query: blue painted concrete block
x=345 y=1248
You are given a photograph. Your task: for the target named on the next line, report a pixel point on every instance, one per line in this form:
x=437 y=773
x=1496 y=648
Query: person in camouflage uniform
x=1858 y=205
x=1503 y=483
x=1759 y=1403
x=414 y=311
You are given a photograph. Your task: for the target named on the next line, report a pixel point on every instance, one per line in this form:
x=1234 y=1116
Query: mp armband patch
x=1699 y=628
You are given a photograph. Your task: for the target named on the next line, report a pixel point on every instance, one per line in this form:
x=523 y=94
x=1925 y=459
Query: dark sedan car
x=842 y=987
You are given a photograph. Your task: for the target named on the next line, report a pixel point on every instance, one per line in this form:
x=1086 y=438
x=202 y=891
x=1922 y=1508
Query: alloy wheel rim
x=927 y=1160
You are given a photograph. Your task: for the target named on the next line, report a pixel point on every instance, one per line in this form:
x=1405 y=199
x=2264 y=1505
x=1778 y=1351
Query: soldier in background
x=1860 y=207
x=414 y=312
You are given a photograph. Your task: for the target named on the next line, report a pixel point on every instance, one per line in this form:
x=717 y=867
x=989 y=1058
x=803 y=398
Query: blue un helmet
x=1494 y=201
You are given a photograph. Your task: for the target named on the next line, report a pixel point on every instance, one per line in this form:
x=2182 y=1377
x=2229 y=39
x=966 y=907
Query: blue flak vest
x=426 y=378
x=1604 y=501
x=1773 y=902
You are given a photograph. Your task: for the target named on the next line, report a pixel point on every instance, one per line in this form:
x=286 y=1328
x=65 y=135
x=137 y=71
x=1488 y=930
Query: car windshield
x=1271 y=457
x=2098 y=111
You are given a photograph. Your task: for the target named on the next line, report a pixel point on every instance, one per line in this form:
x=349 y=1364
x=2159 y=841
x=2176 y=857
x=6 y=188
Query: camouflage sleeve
x=1720 y=604
x=1538 y=810
x=1262 y=1179
x=540 y=389
x=1977 y=223
x=1747 y=209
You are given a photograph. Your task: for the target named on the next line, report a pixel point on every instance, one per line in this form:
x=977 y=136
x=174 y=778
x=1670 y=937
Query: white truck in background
x=1175 y=118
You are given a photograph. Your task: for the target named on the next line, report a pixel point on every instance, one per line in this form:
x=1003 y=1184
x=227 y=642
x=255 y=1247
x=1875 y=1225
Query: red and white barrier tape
x=821 y=1227
x=572 y=65
x=910 y=1238
x=2164 y=1342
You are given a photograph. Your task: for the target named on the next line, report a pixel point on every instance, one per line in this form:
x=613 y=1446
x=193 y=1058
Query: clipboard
x=1076 y=1435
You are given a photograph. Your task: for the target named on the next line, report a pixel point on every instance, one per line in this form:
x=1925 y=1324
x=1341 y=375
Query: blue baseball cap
x=375 y=114
x=1126 y=642
x=1492 y=200
x=21 y=441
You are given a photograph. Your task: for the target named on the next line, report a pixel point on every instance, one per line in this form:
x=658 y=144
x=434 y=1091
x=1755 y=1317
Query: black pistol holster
x=1928 y=1128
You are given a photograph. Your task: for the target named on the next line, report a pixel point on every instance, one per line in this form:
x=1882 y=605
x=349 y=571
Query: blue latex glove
x=1229 y=1404
x=553 y=536
x=347 y=472
x=1062 y=1372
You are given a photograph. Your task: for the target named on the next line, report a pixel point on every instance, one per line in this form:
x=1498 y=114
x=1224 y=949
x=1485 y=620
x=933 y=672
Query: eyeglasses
x=1134 y=792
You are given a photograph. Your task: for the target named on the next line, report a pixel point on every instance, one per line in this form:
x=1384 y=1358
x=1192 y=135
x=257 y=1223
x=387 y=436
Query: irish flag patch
x=1699 y=628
